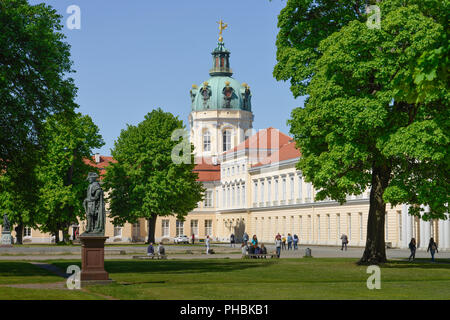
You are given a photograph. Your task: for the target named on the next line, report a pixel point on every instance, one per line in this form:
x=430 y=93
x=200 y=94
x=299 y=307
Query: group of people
x=432 y=248
x=160 y=250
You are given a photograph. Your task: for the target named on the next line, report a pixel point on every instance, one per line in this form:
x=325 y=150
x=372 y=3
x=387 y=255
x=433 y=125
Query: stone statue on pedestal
x=94 y=205
x=6 y=225
x=6 y=232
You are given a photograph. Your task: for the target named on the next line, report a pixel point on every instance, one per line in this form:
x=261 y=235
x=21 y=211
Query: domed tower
x=221 y=116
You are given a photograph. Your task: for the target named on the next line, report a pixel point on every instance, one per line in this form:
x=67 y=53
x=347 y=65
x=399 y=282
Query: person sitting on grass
x=150 y=250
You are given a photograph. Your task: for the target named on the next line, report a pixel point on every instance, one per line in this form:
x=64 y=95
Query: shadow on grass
x=172 y=266
x=21 y=269
x=418 y=264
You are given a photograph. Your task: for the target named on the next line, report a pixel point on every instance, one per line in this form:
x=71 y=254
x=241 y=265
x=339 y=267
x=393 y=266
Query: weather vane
x=222 y=26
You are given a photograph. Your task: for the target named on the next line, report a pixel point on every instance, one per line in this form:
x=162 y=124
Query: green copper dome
x=221 y=91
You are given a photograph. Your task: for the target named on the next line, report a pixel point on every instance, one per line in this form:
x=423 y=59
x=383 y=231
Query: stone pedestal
x=93 y=258
x=6 y=239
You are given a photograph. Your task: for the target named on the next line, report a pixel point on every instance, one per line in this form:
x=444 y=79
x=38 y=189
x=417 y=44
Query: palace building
x=252 y=184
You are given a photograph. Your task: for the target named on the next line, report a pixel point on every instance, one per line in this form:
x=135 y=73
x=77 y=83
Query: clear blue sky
x=133 y=56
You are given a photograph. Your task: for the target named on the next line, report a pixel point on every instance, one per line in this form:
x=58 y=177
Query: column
x=441 y=242
x=407 y=229
x=446 y=231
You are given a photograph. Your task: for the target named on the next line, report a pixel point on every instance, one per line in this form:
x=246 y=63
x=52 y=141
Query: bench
x=260 y=255
x=155 y=256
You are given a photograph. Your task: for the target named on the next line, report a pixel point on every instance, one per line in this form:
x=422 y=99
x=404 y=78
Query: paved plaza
x=40 y=253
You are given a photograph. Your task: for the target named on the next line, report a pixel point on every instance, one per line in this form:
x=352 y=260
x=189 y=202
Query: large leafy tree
x=62 y=171
x=34 y=63
x=19 y=192
x=358 y=129
x=146 y=182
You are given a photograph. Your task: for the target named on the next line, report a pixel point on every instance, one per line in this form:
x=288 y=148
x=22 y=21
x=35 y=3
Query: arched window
x=207 y=141
x=226 y=140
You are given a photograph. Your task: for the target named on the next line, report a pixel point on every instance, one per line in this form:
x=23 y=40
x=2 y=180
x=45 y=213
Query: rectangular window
x=338 y=223
x=165 y=228
x=262 y=191
x=269 y=190
x=349 y=226
x=386 y=223
x=243 y=196
x=309 y=228
x=117 y=231
x=308 y=192
x=360 y=226
x=180 y=228
x=400 y=227
x=27 y=232
x=194 y=227
x=300 y=187
x=208 y=202
x=292 y=188
x=255 y=193
x=208 y=227
x=223 y=197
x=276 y=189
x=318 y=227
x=207 y=141
x=238 y=196
x=328 y=227
x=232 y=197
x=283 y=195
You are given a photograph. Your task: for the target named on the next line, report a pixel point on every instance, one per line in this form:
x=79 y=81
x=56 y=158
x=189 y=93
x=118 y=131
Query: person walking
x=432 y=247
x=412 y=248
x=208 y=244
x=344 y=239
x=278 y=246
x=289 y=241
x=232 y=241
x=193 y=238
x=283 y=239
x=295 y=242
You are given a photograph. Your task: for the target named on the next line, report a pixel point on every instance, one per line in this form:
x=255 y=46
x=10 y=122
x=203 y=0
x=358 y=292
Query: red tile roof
x=286 y=152
x=269 y=138
x=206 y=170
x=103 y=163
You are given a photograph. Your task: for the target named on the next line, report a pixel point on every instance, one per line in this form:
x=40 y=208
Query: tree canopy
x=62 y=171
x=360 y=128
x=145 y=182
x=34 y=63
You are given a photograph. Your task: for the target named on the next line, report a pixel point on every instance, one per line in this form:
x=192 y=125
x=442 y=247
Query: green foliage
x=34 y=63
x=356 y=118
x=62 y=171
x=145 y=182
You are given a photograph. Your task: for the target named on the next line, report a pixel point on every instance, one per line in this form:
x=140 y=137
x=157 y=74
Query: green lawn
x=224 y=279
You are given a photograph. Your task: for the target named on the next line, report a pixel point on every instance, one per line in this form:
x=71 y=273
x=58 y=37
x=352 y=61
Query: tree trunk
x=65 y=233
x=56 y=233
x=19 y=233
x=375 y=251
x=151 y=229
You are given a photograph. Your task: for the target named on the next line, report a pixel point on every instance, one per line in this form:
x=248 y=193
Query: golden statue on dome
x=222 y=26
